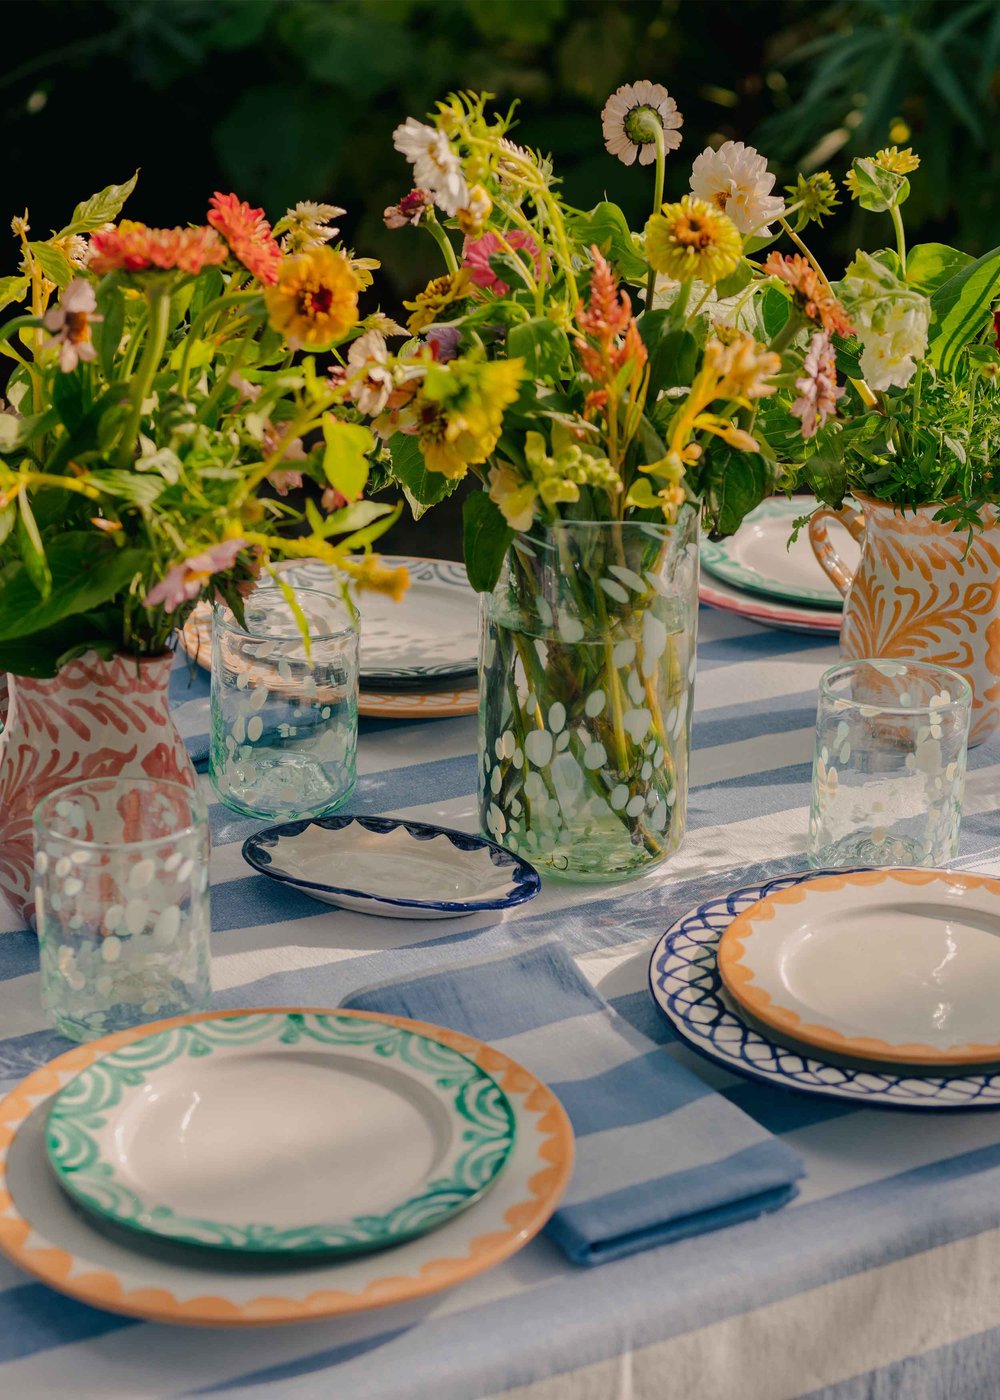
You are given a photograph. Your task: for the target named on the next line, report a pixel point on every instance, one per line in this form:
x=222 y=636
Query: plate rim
x=144 y=1228
x=526 y=881
x=524 y=1219
x=825 y=622
x=738 y=978
x=718 y=563
x=878 y=1098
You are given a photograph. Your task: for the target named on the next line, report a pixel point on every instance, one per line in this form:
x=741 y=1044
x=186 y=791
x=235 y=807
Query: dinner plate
x=685 y=984
x=43 y=1232
x=888 y=965
x=398 y=869
x=788 y=617
x=429 y=637
x=758 y=558
x=281 y=1134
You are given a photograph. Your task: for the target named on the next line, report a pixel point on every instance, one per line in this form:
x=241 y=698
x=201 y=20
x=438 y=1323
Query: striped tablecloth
x=881 y=1279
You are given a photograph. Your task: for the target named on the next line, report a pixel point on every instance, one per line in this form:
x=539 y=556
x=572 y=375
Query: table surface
x=880 y=1279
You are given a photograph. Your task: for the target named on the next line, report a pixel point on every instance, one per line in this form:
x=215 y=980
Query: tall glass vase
x=587 y=666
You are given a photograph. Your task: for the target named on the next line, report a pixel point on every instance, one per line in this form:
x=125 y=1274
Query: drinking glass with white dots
x=285 y=704
x=121 y=904
x=889 y=766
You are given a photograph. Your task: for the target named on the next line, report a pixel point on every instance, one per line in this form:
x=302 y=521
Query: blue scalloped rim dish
x=522 y=883
x=685 y=984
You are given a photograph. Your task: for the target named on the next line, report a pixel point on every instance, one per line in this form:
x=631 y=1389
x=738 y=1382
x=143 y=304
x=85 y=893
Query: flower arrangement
x=165 y=398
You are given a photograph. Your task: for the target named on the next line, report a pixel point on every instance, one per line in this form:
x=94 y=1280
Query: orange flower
x=315 y=300
x=815 y=300
x=134 y=248
x=608 y=317
x=248 y=234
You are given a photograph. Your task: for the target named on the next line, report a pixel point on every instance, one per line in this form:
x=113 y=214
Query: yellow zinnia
x=460 y=411
x=429 y=305
x=314 y=302
x=371 y=574
x=691 y=239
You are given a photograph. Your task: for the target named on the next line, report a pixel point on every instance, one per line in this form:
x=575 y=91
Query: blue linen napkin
x=660 y=1156
x=190 y=708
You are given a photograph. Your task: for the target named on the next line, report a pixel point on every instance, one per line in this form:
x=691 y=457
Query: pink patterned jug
x=96 y=719
x=922 y=591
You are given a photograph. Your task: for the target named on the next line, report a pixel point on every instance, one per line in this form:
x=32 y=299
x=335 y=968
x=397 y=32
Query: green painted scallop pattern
x=486 y=1136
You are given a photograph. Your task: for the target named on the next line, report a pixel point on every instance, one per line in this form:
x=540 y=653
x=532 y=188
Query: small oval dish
x=393 y=868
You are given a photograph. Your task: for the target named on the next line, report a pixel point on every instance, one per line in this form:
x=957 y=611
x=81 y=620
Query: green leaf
x=929 y=265
x=13 y=289
x=607 y=226
x=108 y=333
x=879 y=189
x=345 y=460
x=510 y=269
x=732 y=285
x=673 y=354
x=961 y=306
x=487 y=537
x=37 y=573
x=735 y=483
x=421 y=487
x=774 y=311
x=42 y=654
x=847 y=352
x=138 y=488
x=53 y=262
x=8 y=519
x=543 y=346
x=81 y=577
x=99 y=209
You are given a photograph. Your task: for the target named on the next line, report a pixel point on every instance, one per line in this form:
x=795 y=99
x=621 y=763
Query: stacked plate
x=270 y=1166
x=757 y=574
x=418 y=657
x=874 y=986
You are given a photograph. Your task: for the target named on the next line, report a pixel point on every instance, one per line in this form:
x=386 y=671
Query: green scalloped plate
x=759 y=559
x=281 y=1134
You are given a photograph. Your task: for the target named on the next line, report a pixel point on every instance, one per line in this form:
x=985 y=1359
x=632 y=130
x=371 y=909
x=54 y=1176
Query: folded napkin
x=660 y=1156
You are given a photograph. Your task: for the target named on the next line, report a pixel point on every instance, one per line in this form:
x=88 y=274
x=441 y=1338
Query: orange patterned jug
x=921 y=591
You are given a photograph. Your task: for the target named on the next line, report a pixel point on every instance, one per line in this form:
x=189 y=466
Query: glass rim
x=963 y=699
x=219 y=608
x=131 y=785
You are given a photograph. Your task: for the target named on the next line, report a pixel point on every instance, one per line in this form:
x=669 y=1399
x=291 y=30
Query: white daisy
x=368 y=375
x=735 y=178
x=627 y=122
x=435 y=165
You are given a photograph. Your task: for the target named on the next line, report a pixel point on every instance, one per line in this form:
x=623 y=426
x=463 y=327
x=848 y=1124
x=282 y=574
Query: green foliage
x=421 y=487
x=100 y=209
x=542 y=345
x=486 y=539
x=961 y=307
x=607 y=227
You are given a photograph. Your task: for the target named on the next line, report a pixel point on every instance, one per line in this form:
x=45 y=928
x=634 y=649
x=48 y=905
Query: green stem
x=809 y=256
x=152 y=353
x=222 y=383
x=897 y=223
x=657 y=202
x=678 y=310
x=199 y=323
x=443 y=241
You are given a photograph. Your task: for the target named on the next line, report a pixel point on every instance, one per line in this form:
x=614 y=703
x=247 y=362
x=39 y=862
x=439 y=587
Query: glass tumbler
x=889 y=767
x=122 y=904
x=284 y=711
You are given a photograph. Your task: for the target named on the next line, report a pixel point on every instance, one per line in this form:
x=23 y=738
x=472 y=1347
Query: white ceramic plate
x=787 y=617
x=895 y=966
x=281 y=1134
x=759 y=558
x=42 y=1231
x=397 y=869
x=684 y=980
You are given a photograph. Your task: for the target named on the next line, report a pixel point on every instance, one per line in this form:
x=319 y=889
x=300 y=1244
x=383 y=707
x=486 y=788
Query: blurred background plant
x=285 y=98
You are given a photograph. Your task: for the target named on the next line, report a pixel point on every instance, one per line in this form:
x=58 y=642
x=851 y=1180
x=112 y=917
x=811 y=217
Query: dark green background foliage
x=288 y=99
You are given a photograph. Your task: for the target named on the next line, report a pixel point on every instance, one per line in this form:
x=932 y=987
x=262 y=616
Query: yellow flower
x=429 y=305
x=692 y=239
x=371 y=574
x=515 y=496
x=899 y=162
x=315 y=299
x=742 y=365
x=472 y=219
x=459 y=411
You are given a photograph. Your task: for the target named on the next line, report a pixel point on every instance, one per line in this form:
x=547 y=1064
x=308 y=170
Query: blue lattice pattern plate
x=685 y=983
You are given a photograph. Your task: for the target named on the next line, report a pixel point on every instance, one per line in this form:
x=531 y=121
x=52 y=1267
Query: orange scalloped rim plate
x=25 y=1243
x=738 y=977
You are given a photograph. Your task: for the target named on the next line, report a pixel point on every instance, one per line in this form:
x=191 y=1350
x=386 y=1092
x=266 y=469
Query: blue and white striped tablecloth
x=881 y=1279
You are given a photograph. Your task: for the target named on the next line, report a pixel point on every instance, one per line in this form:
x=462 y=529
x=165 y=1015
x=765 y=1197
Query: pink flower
x=410 y=209
x=477 y=253
x=184 y=581
x=817 y=386
x=70 y=324
x=284 y=480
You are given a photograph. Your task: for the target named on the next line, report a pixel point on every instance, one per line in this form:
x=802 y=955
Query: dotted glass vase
x=586 y=673
x=122 y=904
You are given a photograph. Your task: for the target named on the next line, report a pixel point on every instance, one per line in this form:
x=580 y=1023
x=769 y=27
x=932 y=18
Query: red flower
x=248 y=234
x=134 y=248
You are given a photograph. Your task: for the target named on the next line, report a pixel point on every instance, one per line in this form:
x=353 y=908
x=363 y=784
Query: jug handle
x=830 y=561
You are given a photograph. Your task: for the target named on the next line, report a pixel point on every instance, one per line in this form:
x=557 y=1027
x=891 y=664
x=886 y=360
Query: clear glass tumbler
x=284 y=711
x=122 y=904
x=889 y=767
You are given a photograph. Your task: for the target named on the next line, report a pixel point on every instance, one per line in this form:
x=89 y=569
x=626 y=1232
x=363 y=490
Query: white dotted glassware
x=889 y=768
x=586 y=672
x=284 y=709
x=122 y=904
